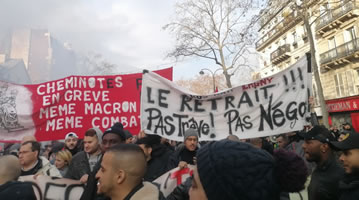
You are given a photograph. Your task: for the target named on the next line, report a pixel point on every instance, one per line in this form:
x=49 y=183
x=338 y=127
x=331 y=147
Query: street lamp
x=213 y=76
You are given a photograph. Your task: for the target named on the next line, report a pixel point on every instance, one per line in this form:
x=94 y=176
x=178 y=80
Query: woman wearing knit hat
x=235 y=170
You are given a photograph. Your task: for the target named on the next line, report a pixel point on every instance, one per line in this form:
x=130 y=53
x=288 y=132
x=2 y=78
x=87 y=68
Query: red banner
x=50 y=110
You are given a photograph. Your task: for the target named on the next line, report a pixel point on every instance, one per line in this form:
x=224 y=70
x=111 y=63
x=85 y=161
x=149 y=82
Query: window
x=344 y=83
x=350 y=38
x=331 y=47
x=339 y=84
x=350 y=82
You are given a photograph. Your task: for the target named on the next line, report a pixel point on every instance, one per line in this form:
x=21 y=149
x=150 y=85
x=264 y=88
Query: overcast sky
x=127 y=33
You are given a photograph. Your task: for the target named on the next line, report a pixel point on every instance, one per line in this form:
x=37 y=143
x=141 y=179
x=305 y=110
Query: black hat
x=149 y=140
x=127 y=134
x=117 y=129
x=319 y=133
x=350 y=141
x=229 y=170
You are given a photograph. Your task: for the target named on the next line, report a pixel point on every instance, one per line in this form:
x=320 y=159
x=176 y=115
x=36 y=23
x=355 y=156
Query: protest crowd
x=114 y=164
x=260 y=141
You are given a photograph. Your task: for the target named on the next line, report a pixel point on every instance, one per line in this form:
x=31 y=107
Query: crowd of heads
x=119 y=162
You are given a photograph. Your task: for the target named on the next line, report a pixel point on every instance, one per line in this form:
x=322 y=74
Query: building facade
x=283 y=40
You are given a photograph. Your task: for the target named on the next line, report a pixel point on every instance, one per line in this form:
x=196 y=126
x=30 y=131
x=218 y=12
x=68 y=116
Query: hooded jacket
x=157 y=165
x=15 y=190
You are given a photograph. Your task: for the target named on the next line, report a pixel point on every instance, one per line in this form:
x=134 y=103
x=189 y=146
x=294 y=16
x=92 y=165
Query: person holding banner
x=234 y=170
x=157 y=155
x=120 y=177
x=185 y=154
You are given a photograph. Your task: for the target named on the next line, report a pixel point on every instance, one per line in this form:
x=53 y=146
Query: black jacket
x=324 y=184
x=158 y=163
x=349 y=188
x=15 y=190
x=178 y=156
x=79 y=166
x=181 y=191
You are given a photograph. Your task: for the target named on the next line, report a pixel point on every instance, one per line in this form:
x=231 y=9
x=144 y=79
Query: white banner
x=46 y=187
x=270 y=106
x=171 y=179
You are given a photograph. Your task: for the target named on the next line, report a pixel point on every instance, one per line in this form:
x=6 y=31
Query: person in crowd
x=157 y=156
x=343 y=134
x=335 y=131
x=122 y=170
x=71 y=143
x=56 y=147
x=84 y=161
x=347 y=127
x=234 y=170
x=282 y=141
x=233 y=138
x=111 y=137
x=32 y=164
x=328 y=172
x=349 y=185
x=129 y=137
x=62 y=161
x=10 y=171
x=262 y=143
x=185 y=154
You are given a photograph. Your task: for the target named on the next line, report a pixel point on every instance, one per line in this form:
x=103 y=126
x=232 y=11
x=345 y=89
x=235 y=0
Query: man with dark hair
x=111 y=137
x=185 y=154
x=84 y=161
x=157 y=156
x=349 y=186
x=282 y=140
x=71 y=143
x=328 y=172
x=129 y=136
x=31 y=163
x=121 y=174
x=10 y=171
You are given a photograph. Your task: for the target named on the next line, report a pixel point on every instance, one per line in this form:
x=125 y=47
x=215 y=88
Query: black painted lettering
x=245 y=99
x=161 y=103
x=149 y=100
x=229 y=100
x=184 y=103
x=197 y=104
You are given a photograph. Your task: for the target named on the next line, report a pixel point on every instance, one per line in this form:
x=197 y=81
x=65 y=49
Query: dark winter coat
x=178 y=156
x=158 y=164
x=324 y=184
x=349 y=188
x=181 y=191
x=15 y=190
x=79 y=166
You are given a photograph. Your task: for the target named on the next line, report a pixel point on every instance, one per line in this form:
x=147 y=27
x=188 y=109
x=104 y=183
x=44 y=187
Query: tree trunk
x=224 y=67
x=315 y=68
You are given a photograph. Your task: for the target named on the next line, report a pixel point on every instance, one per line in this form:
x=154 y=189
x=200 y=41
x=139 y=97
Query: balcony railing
x=280 y=54
x=340 y=11
x=341 y=51
x=287 y=23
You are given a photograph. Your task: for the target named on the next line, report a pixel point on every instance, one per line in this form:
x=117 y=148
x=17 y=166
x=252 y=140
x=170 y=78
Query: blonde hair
x=65 y=155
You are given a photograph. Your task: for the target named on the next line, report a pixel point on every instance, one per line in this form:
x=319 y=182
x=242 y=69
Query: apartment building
x=283 y=40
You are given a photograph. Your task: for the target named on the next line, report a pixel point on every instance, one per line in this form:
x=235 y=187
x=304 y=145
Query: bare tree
x=220 y=30
x=203 y=84
x=95 y=64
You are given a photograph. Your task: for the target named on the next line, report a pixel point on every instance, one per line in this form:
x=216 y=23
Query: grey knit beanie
x=190 y=132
